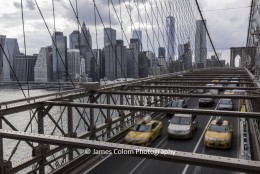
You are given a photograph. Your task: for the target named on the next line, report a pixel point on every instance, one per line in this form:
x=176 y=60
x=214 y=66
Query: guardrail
x=254 y=123
x=245 y=147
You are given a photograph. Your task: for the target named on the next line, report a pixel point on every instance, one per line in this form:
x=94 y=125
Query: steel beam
x=32 y=99
x=1 y=148
x=191 y=87
x=15 y=109
x=206 y=78
x=144 y=152
x=161 y=109
x=70 y=129
x=216 y=75
x=198 y=82
x=181 y=95
x=41 y=131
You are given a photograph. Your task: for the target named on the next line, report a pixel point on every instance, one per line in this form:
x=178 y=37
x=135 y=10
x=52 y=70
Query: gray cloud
x=30 y=5
x=86 y=14
x=227 y=28
x=17 y=5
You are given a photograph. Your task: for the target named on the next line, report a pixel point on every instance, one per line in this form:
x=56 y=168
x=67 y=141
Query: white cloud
x=228 y=28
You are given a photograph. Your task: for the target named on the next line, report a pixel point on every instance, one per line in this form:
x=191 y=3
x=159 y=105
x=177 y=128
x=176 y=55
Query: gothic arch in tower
x=244 y=53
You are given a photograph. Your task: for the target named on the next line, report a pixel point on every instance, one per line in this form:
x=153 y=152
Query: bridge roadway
x=118 y=164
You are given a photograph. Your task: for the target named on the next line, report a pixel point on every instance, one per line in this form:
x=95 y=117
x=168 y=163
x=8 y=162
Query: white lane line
x=96 y=164
x=197 y=145
x=133 y=170
x=238 y=130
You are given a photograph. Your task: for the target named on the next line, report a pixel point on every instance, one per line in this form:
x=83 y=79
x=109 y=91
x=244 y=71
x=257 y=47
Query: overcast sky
x=228 y=28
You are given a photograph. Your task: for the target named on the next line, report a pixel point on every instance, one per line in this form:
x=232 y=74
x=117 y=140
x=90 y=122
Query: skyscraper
x=161 y=59
x=24 y=67
x=59 y=57
x=132 y=55
x=109 y=36
x=121 y=66
x=161 y=52
x=12 y=50
x=187 y=57
x=110 y=62
x=43 y=65
x=85 y=41
x=170 y=27
x=180 y=50
x=200 y=44
x=74 y=40
x=4 y=65
x=93 y=64
x=74 y=63
x=110 y=57
x=137 y=34
x=96 y=65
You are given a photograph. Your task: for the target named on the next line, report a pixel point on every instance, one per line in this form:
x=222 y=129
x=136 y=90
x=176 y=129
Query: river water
x=19 y=120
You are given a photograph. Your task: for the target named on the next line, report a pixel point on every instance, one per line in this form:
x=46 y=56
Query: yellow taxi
x=144 y=132
x=229 y=92
x=214 y=80
x=218 y=134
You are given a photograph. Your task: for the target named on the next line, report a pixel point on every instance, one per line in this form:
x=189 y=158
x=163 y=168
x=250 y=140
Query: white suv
x=182 y=126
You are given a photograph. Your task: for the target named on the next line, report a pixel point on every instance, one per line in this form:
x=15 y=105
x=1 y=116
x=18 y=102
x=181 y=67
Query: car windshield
x=232 y=85
x=213 y=91
x=218 y=128
x=141 y=128
x=176 y=104
x=225 y=102
x=180 y=120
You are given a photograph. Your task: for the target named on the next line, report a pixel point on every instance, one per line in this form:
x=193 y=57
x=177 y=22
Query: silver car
x=182 y=126
x=225 y=104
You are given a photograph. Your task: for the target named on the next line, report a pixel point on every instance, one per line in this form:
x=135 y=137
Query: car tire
x=149 y=142
x=191 y=135
x=160 y=132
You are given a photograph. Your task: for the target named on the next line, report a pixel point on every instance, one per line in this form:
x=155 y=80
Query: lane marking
x=133 y=170
x=197 y=145
x=239 y=131
x=96 y=164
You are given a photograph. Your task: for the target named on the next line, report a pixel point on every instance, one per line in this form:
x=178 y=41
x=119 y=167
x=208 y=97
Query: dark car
x=198 y=91
x=224 y=82
x=206 y=102
x=180 y=103
x=225 y=104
